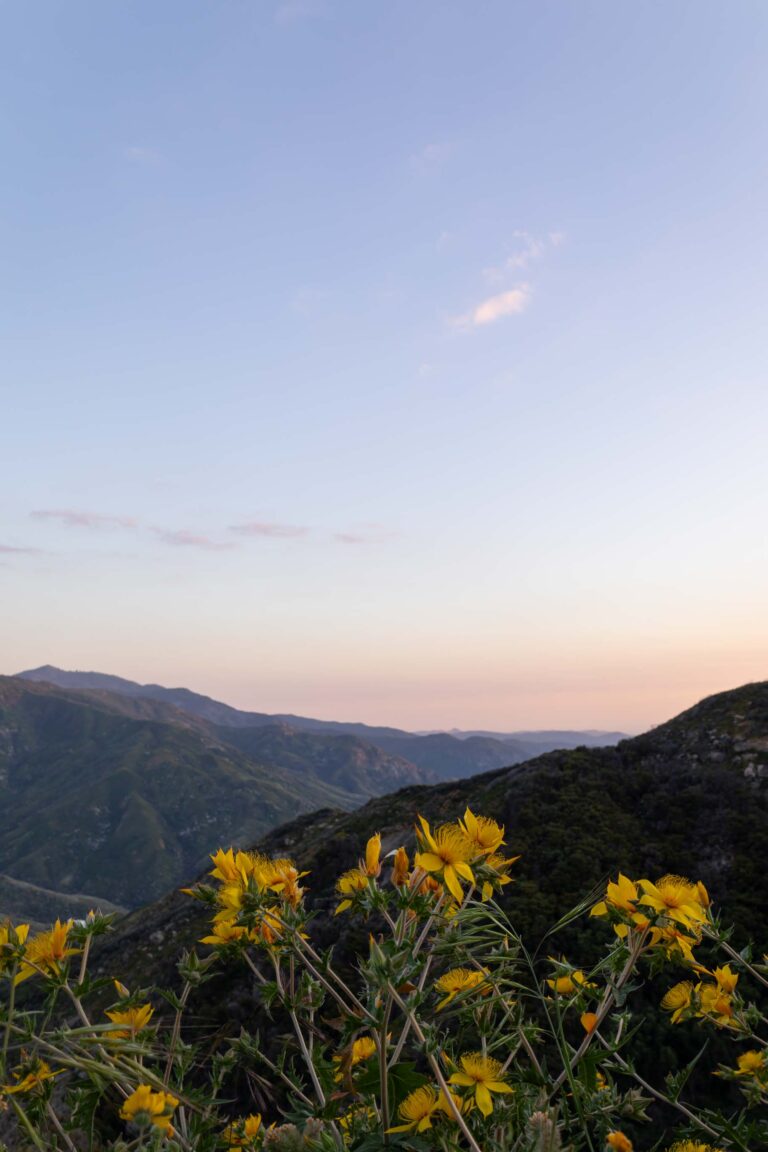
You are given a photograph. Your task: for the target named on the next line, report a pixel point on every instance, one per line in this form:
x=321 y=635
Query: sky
x=399 y=362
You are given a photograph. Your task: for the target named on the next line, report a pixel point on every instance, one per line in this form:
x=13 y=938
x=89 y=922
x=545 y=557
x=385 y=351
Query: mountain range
x=118 y=789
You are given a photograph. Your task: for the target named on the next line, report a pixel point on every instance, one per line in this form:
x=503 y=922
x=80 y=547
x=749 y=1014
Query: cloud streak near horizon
x=200 y=539
x=184 y=538
x=74 y=518
x=269 y=529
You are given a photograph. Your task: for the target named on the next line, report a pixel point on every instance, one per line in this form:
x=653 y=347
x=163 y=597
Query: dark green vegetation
x=689 y=797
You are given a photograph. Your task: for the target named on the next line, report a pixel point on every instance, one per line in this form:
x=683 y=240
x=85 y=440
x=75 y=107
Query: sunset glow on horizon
x=399 y=364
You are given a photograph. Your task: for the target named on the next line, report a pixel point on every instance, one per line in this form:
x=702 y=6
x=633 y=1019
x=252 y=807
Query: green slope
x=92 y=800
x=345 y=762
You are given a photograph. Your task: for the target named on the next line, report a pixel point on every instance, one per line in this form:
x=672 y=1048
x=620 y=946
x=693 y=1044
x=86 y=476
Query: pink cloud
x=9 y=550
x=77 y=519
x=496 y=308
x=367 y=534
x=267 y=528
x=183 y=538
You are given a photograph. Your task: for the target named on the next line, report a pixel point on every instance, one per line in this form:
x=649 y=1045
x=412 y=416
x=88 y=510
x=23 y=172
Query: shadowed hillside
x=689 y=797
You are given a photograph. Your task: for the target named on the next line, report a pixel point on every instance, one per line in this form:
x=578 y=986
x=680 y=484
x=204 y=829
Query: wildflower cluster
x=442 y=1031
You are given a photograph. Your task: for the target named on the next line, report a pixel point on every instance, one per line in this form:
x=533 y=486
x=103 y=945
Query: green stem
x=176 y=1033
x=57 y=1125
x=27 y=1124
x=605 y=1006
x=8 y=1020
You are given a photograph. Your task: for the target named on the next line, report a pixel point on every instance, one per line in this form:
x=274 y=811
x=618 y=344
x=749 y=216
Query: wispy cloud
x=270 y=529
x=365 y=534
x=10 y=550
x=77 y=519
x=527 y=249
x=142 y=154
x=496 y=308
x=183 y=538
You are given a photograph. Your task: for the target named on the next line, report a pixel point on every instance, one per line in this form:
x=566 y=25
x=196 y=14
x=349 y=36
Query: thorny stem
x=407 y=1026
x=438 y=1072
x=57 y=1125
x=84 y=959
x=307 y=948
x=307 y=1058
x=353 y=1011
x=8 y=1019
x=656 y=1094
x=740 y=960
x=176 y=1033
x=299 y=1035
x=286 y=1079
x=381 y=1044
x=27 y=1124
x=605 y=1006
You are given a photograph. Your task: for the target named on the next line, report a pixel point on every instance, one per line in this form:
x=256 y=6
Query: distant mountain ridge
x=119 y=789
x=447 y=754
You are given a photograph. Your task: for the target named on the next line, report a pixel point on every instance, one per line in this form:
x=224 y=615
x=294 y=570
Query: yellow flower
x=498 y=867
x=461 y=980
x=225 y=931
x=269 y=927
x=588 y=1021
x=702 y=895
x=135 y=1019
x=674 y=943
x=361 y=1049
x=32 y=1080
x=11 y=940
x=46 y=951
x=144 y=1107
x=692 y=1146
x=484 y=835
x=726 y=978
x=419 y=1107
x=678 y=999
x=570 y=983
x=448 y=852
x=353 y=881
x=240 y=1133
x=622 y=895
x=372 y=865
x=400 y=868
x=676 y=898
x=751 y=1063
x=484 y=1075
x=282 y=876
x=358 y=1114
x=226 y=867
x=715 y=1003
x=619 y=1142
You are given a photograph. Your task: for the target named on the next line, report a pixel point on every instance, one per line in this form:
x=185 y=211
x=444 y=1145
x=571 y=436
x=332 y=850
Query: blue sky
x=403 y=362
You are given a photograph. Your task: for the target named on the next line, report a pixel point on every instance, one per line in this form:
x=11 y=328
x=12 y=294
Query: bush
x=447 y=1034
